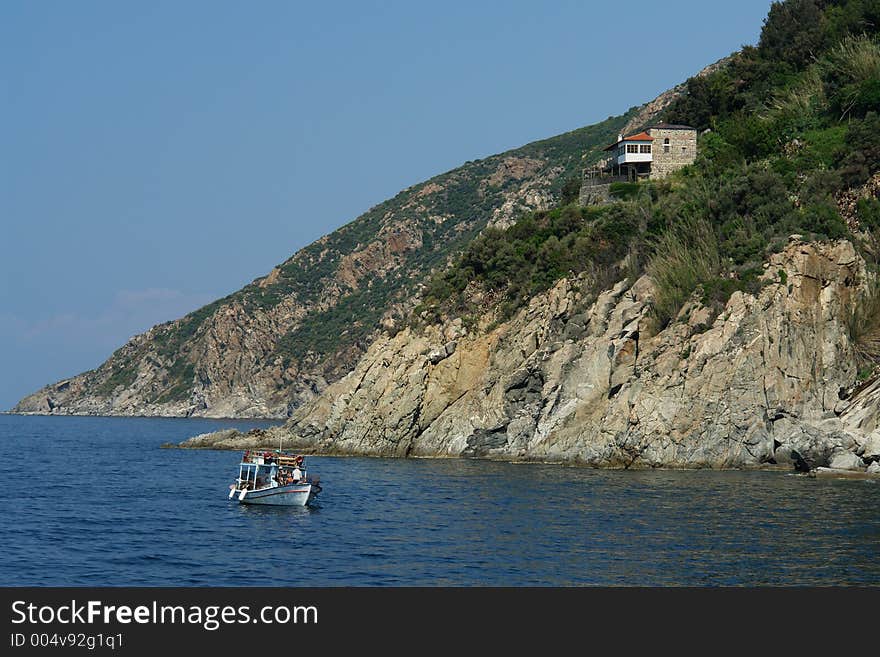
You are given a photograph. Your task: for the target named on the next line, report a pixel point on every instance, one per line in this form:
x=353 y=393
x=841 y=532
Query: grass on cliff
x=863 y=325
x=685 y=256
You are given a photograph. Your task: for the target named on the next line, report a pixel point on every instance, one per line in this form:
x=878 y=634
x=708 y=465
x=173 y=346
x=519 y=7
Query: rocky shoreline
x=235 y=440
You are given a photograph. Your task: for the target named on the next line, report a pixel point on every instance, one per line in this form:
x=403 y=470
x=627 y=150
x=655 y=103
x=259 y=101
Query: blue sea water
x=95 y=501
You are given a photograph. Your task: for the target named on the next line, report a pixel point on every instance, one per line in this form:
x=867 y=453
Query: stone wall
x=594 y=194
x=682 y=150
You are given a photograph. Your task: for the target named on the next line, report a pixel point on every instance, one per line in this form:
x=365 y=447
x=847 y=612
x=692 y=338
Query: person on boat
x=297 y=474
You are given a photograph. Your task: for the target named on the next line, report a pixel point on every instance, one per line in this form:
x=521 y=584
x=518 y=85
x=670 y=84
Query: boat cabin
x=269 y=469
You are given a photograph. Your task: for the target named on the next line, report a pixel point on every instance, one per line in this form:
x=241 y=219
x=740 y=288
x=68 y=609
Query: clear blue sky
x=157 y=155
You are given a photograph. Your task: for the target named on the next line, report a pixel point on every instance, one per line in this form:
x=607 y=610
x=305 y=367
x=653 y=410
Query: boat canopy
x=257 y=475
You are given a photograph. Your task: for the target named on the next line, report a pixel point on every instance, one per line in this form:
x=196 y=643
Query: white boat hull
x=292 y=495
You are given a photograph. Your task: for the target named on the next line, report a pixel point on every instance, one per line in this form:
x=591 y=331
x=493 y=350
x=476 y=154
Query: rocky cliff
x=278 y=342
x=265 y=349
x=581 y=379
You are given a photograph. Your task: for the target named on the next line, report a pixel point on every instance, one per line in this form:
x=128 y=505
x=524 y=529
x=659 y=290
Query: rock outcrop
x=581 y=380
x=227 y=367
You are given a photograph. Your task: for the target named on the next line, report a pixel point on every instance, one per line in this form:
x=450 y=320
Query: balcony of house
x=634 y=153
x=630 y=156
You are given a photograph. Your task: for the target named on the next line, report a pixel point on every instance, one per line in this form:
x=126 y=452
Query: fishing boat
x=274 y=477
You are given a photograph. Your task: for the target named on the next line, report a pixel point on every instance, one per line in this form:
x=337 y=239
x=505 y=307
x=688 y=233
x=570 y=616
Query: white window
x=632 y=148
x=666 y=145
x=645 y=148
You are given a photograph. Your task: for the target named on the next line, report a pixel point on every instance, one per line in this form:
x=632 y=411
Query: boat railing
x=250 y=484
x=283 y=459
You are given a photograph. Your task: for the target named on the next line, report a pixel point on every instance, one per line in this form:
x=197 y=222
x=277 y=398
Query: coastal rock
x=577 y=379
x=217 y=439
x=840 y=473
x=870 y=448
x=436 y=355
x=846 y=461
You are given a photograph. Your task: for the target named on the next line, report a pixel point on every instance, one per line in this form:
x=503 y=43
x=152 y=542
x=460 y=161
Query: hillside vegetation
x=789 y=130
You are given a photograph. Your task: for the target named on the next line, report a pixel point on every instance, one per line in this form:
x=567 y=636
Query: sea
x=91 y=501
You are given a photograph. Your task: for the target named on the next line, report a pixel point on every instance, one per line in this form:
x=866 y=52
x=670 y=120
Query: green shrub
x=823 y=221
x=819 y=187
x=798 y=108
x=178 y=382
x=706 y=97
x=715 y=155
x=860 y=158
x=685 y=256
x=868 y=212
x=624 y=190
x=793 y=32
x=749 y=135
x=718 y=290
x=531 y=255
x=853 y=76
x=824 y=145
x=571 y=190
x=124 y=374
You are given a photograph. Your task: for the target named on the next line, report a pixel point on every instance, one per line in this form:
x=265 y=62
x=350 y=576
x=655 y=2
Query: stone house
x=654 y=153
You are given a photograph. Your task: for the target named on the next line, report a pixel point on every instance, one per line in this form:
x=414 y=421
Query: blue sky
x=157 y=155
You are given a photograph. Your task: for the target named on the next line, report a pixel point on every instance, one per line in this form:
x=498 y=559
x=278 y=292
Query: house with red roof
x=654 y=153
